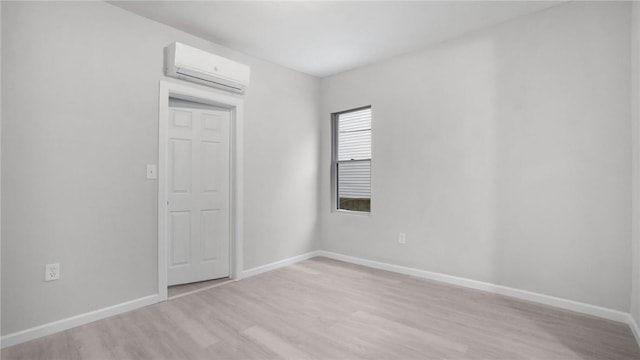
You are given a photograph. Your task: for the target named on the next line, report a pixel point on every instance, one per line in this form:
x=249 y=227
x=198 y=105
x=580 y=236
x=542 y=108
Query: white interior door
x=198 y=226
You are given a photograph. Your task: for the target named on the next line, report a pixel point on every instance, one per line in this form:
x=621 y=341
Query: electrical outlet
x=402 y=238
x=52 y=272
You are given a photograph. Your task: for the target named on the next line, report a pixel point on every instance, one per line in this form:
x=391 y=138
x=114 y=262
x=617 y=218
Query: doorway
x=199 y=185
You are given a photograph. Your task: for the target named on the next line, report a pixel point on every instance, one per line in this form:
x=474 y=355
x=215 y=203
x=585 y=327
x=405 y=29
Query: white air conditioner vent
x=195 y=65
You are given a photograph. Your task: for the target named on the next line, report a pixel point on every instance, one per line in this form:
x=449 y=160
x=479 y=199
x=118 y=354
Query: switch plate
x=402 y=238
x=52 y=272
x=152 y=171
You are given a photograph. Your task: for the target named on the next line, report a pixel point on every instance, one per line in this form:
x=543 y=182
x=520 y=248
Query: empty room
x=320 y=180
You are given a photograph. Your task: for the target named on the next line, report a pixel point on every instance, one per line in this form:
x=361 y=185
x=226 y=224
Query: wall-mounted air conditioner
x=191 y=64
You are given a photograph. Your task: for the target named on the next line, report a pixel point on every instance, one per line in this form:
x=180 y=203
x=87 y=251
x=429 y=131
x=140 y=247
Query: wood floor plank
x=276 y=344
x=326 y=309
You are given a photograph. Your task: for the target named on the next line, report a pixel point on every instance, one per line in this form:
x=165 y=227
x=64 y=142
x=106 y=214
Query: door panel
x=180 y=237
x=198 y=195
x=210 y=163
x=182 y=118
x=210 y=223
x=180 y=160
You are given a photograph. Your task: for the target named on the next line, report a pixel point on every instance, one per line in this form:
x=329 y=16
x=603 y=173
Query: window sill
x=351 y=212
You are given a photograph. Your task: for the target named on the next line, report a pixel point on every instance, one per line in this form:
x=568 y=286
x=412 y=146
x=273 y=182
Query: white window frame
x=335 y=162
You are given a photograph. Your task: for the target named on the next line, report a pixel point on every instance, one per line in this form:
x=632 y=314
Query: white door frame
x=235 y=106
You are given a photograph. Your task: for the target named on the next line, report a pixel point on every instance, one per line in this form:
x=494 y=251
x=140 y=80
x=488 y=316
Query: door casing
x=234 y=104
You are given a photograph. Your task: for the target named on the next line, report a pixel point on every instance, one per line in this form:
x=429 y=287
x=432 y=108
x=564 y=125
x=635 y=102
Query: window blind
x=354 y=154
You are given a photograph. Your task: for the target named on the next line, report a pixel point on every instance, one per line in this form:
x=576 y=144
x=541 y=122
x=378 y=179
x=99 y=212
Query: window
x=352 y=160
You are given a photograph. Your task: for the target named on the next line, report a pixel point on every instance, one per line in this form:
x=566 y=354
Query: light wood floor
x=325 y=309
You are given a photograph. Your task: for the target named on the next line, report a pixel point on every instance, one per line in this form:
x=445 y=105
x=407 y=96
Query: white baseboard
x=576 y=306
x=64 y=324
x=279 y=264
x=634 y=327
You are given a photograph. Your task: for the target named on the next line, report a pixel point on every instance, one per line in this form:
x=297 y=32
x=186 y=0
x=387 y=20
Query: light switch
x=152 y=171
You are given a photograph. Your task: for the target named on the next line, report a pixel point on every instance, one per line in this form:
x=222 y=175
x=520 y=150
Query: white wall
x=0 y=160
x=635 y=166
x=80 y=96
x=503 y=155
